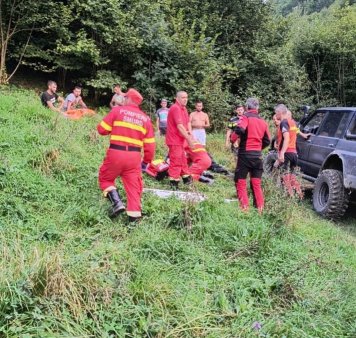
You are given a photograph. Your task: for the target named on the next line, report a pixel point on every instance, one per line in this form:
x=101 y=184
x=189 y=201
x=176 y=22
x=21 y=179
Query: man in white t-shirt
x=118 y=97
x=74 y=100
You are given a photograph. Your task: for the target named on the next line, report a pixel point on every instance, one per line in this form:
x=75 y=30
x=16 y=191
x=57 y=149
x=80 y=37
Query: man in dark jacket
x=254 y=136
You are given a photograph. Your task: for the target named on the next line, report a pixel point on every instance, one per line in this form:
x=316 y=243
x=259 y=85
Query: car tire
x=268 y=162
x=330 y=198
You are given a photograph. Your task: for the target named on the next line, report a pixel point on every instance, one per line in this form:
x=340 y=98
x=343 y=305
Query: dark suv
x=328 y=158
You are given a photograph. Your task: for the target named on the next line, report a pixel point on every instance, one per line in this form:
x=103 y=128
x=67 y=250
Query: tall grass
x=188 y=270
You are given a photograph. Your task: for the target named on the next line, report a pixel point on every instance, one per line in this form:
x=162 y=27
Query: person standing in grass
x=51 y=99
x=118 y=97
x=287 y=150
x=198 y=122
x=176 y=137
x=252 y=130
x=131 y=132
x=239 y=110
x=162 y=116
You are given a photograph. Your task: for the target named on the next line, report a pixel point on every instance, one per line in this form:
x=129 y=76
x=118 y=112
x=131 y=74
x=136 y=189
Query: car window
x=334 y=124
x=352 y=129
x=313 y=124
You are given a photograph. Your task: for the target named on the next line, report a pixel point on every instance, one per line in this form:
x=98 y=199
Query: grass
x=67 y=270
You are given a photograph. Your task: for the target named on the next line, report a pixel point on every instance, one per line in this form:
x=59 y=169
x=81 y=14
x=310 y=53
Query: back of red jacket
x=129 y=126
x=253 y=132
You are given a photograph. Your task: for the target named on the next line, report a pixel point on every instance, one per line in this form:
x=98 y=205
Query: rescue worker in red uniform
x=287 y=150
x=130 y=131
x=177 y=135
x=254 y=136
x=200 y=159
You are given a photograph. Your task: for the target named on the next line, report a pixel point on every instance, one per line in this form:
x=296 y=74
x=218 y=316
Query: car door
x=310 y=126
x=326 y=139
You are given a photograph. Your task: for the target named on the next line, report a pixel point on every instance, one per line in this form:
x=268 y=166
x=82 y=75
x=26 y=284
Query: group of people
x=53 y=101
x=132 y=133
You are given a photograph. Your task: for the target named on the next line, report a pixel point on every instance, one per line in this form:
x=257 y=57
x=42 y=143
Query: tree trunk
x=3 y=70
x=62 y=74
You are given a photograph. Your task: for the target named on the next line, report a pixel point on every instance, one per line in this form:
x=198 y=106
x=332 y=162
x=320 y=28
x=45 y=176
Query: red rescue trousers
x=127 y=166
x=201 y=162
x=178 y=165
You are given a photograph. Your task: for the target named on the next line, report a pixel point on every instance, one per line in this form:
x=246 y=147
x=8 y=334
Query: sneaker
x=206 y=180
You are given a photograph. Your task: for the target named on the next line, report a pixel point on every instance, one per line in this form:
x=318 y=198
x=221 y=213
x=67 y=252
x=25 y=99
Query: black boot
x=174 y=184
x=134 y=220
x=187 y=180
x=117 y=205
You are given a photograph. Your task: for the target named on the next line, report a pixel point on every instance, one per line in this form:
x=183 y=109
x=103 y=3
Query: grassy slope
x=67 y=270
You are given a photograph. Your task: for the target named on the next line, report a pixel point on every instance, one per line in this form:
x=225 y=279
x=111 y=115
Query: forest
x=222 y=51
x=188 y=269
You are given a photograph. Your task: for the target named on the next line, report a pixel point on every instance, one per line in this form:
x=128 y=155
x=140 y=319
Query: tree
x=20 y=19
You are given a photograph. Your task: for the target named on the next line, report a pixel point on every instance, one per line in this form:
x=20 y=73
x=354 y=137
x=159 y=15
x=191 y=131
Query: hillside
x=67 y=270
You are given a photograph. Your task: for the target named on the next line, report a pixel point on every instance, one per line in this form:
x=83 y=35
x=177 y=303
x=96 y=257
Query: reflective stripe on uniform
x=134 y=213
x=198 y=149
x=126 y=140
x=104 y=125
x=130 y=126
x=149 y=140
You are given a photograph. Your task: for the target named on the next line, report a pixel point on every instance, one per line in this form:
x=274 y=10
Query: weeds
x=188 y=270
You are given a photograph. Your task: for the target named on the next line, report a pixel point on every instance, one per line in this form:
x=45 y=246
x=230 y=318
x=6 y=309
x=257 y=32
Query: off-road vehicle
x=328 y=158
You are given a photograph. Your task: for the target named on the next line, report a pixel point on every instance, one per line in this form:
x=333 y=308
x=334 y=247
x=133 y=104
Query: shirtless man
x=198 y=122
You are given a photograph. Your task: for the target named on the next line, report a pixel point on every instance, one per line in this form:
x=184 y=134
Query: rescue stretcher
x=76 y=114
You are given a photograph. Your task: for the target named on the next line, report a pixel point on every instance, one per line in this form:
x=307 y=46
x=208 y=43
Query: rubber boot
x=174 y=184
x=188 y=180
x=117 y=205
x=241 y=189
x=134 y=220
x=258 y=194
x=296 y=186
x=253 y=195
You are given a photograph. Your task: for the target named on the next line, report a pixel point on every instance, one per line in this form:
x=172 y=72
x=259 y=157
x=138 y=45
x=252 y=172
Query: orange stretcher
x=76 y=114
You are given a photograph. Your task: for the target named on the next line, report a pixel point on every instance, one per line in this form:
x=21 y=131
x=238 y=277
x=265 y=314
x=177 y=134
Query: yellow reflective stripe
x=149 y=140
x=126 y=139
x=105 y=126
x=130 y=126
x=155 y=162
x=134 y=213
x=198 y=149
x=294 y=129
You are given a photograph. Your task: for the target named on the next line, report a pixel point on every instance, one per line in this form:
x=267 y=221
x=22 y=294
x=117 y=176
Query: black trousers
x=290 y=162
x=247 y=164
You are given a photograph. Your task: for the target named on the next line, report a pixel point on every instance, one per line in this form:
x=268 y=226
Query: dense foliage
x=219 y=51
x=188 y=270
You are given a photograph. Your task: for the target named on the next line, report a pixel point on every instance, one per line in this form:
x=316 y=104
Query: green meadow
x=187 y=270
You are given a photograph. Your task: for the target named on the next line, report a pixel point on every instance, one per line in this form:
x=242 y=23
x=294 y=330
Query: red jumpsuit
x=178 y=166
x=130 y=130
x=200 y=160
